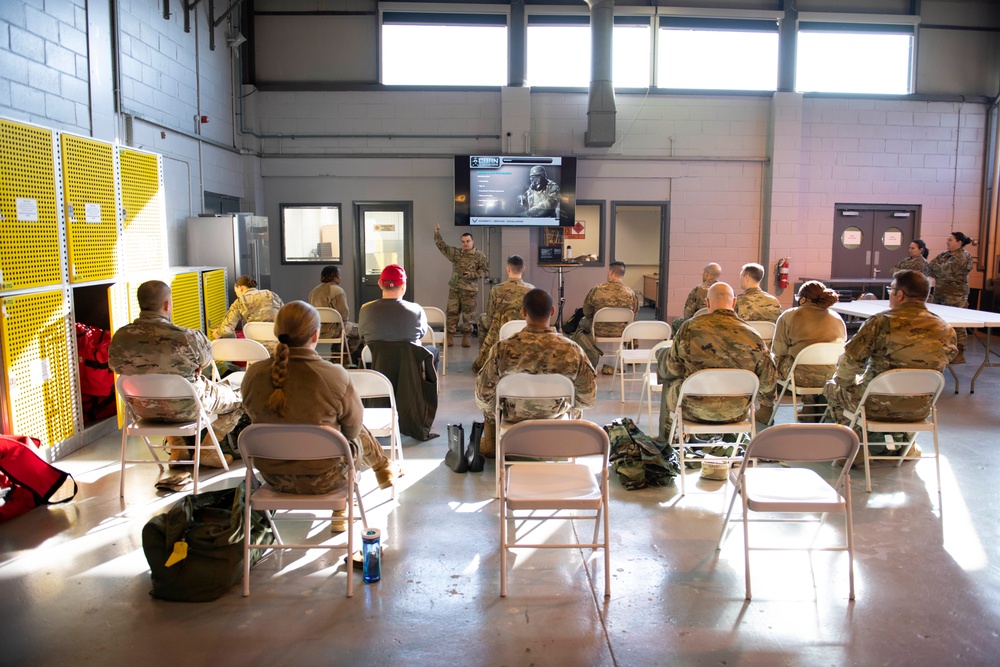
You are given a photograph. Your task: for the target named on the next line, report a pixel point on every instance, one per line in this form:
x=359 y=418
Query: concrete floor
x=74 y=581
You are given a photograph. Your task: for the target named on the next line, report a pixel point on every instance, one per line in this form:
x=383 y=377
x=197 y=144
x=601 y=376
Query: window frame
x=304 y=261
x=867 y=26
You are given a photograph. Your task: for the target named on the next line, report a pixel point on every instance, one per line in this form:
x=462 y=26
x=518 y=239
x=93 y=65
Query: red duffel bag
x=26 y=481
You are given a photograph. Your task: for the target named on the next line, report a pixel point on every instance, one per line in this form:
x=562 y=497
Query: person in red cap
x=392 y=318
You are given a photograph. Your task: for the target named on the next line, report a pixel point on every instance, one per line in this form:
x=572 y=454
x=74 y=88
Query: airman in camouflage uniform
x=329 y=294
x=905 y=336
x=756 y=305
x=251 y=305
x=468 y=266
x=718 y=339
x=153 y=344
x=913 y=263
x=696 y=297
x=536 y=349
x=503 y=306
x=541 y=199
x=951 y=272
x=611 y=294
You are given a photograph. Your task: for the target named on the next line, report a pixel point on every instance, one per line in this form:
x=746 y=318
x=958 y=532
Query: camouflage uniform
x=917 y=263
x=951 y=286
x=756 y=305
x=907 y=336
x=153 y=344
x=503 y=306
x=695 y=301
x=331 y=295
x=541 y=203
x=254 y=306
x=467 y=269
x=796 y=329
x=536 y=350
x=716 y=340
x=611 y=294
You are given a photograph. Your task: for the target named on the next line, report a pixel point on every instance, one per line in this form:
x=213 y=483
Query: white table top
x=951 y=314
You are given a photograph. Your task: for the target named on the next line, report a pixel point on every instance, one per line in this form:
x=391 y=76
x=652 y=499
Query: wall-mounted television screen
x=515 y=190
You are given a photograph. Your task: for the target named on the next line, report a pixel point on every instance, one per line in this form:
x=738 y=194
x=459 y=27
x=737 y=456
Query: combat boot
x=467 y=339
x=451 y=340
x=178 y=451
x=487 y=444
x=960 y=358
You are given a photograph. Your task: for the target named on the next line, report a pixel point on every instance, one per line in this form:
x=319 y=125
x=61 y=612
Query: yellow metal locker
x=89 y=202
x=30 y=250
x=186 y=292
x=144 y=218
x=214 y=292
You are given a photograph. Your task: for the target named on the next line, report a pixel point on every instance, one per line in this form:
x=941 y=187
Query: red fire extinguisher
x=782 y=271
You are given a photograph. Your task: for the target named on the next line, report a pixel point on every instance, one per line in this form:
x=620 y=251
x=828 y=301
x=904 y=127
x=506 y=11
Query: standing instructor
x=468 y=266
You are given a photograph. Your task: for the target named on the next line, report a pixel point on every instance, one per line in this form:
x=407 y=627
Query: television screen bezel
x=567 y=191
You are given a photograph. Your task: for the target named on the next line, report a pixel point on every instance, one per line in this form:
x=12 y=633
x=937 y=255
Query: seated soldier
x=154 y=344
x=329 y=294
x=611 y=294
x=696 y=297
x=504 y=305
x=755 y=305
x=536 y=349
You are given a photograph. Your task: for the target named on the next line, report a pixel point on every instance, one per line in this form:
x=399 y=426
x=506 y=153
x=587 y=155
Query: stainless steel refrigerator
x=237 y=241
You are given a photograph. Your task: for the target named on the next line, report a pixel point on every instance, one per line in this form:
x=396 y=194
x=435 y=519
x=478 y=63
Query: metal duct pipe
x=601 y=110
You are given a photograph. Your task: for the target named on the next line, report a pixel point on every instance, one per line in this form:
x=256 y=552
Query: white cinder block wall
x=740 y=173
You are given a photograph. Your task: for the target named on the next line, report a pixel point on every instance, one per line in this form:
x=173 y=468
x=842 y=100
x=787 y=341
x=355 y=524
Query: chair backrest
x=434 y=316
x=819 y=354
x=656 y=348
x=510 y=328
x=329 y=316
x=366 y=356
x=765 y=329
x=542 y=385
x=157 y=386
x=292 y=442
x=647 y=330
x=867 y=296
x=238 y=349
x=619 y=315
x=700 y=311
x=804 y=442
x=259 y=331
x=720 y=382
x=906 y=382
x=550 y=439
x=371 y=384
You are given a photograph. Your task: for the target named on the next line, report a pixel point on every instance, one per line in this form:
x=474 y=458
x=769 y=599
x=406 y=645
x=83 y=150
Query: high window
x=559 y=51
x=428 y=49
x=717 y=54
x=853 y=58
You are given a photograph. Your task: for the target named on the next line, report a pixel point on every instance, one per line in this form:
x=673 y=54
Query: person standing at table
x=468 y=266
x=951 y=272
x=916 y=259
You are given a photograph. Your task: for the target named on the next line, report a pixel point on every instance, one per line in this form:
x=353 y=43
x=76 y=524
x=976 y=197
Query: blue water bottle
x=371 y=551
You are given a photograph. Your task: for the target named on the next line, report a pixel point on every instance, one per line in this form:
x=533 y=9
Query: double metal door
x=868 y=242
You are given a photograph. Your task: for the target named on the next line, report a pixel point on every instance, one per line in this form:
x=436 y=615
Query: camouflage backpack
x=638 y=459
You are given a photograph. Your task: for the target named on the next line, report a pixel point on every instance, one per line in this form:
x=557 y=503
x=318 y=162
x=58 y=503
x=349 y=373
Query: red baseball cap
x=392 y=276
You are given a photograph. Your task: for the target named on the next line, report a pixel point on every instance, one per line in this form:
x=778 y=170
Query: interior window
x=421 y=49
x=559 y=52
x=723 y=54
x=311 y=234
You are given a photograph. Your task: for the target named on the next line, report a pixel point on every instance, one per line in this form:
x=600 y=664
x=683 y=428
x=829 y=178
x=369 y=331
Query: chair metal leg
x=746 y=544
x=503 y=546
x=725 y=522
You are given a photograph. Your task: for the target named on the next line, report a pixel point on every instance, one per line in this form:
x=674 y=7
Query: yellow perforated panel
x=214 y=283
x=89 y=203
x=186 y=293
x=36 y=360
x=121 y=299
x=144 y=221
x=30 y=251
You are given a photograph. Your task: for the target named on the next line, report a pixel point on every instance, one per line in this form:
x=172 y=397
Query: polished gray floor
x=74 y=582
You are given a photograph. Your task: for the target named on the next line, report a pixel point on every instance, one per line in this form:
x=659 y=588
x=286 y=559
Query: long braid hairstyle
x=295 y=325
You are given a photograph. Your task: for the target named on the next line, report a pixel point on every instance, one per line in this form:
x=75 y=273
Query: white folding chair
x=817 y=354
x=332 y=316
x=297 y=442
x=631 y=351
x=366 y=357
x=700 y=311
x=651 y=383
x=520 y=386
x=899 y=382
x=733 y=383
x=796 y=490
x=236 y=349
x=164 y=387
x=262 y=332
x=436 y=334
x=552 y=486
x=765 y=330
x=622 y=316
x=382 y=422
x=510 y=328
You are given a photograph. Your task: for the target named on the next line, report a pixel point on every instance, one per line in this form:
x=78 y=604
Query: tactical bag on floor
x=26 y=481
x=639 y=460
x=195 y=549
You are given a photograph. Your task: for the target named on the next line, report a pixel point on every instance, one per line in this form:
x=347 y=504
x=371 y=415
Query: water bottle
x=371 y=551
x=569 y=252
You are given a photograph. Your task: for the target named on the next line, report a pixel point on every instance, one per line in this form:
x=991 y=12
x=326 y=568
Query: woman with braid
x=297 y=386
